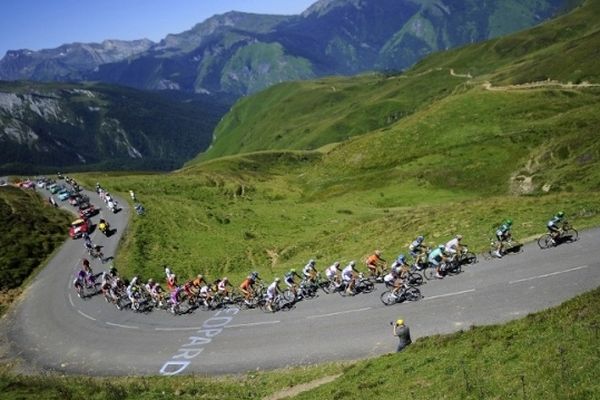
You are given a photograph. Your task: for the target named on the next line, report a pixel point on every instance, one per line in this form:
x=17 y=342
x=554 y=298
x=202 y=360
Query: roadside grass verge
x=31 y=230
x=552 y=354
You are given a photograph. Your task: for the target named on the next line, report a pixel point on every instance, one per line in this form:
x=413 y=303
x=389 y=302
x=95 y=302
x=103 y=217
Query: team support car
x=77 y=199
x=87 y=210
x=64 y=194
x=55 y=188
x=78 y=228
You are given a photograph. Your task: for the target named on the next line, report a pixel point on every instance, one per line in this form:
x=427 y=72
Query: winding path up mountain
x=52 y=329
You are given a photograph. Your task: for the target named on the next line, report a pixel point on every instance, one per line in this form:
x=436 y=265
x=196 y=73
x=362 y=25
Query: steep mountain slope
x=241 y=53
x=307 y=115
x=436 y=152
x=69 y=61
x=46 y=126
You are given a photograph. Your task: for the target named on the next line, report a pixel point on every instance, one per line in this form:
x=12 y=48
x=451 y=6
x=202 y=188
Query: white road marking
x=71 y=300
x=122 y=326
x=252 y=324
x=338 y=313
x=197 y=328
x=85 y=315
x=550 y=274
x=448 y=294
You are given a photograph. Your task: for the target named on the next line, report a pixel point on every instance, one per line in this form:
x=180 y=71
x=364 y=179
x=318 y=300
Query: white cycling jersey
x=272 y=290
x=331 y=272
x=452 y=246
x=389 y=278
x=347 y=273
x=222 y=286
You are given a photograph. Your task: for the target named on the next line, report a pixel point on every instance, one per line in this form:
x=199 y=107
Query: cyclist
x=272 y=291
x=223 y=288
x=247 y=287
x=87 y=269
x=418 y=251
x=79 y=282
x=333 y=273
x=375 y=263
x=171 y=279
x=175 y=299
x=133 y=291
x=289 y=281
x=454 y=247
x=503 y=233
x=436 y=257
x=103 y=226
x=155 y=291
x=310 y=272
x=349 y=277
x=394 y=280
x=553 y=225
x=401 y=266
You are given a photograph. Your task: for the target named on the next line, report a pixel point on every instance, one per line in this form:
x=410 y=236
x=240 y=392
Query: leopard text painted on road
x=195 y=344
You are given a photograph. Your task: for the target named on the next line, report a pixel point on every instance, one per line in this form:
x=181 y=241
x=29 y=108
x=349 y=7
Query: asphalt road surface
x=52 y=329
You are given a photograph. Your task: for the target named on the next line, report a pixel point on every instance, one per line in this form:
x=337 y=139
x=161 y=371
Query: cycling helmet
x=277 y=279
x=509 y=221
x=420 y=239
x=225 y=279
x=561 y=214
x=150 y=281
x=377 y=252
x=458 y=237
x=441 y=247
x=401 y=258
x=312 y=262
x=199 y=276
x=352 y=263
x=293 y=270
x=400 y=322
x=255 y=273
x=337 y=264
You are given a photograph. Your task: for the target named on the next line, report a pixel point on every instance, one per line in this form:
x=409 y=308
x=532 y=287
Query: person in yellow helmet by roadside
x=402 y=331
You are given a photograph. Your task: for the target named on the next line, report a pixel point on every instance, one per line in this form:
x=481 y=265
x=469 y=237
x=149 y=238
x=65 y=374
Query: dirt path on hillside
x=529 y=85
x=541 y=84
x=295 y=390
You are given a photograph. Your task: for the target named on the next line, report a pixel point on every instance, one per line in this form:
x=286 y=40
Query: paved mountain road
x=52 y=329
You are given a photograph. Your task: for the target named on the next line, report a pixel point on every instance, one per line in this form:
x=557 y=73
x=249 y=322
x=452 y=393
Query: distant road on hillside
x=52 y=329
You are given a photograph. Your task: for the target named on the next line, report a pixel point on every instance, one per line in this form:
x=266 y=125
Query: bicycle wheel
x=544 y=241
x=429 y=273
x=388 y=298
x=454 y=268
x=469 y=258
x=570 y=235
x=412 y=293
x=414 y=278
x=367 y=287
x=288 y=295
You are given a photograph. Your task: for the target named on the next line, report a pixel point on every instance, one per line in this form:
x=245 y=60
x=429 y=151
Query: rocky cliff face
x=100 y=127
x=69 y=61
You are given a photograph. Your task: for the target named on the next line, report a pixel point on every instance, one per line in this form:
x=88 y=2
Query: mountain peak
x=322 y=7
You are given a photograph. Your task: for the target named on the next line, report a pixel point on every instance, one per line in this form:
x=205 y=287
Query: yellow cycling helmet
x=400 y=322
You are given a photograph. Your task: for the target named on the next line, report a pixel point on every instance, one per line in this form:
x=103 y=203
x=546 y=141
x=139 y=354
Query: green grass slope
x=548 y=355
x=31 y=230
x=307 y=115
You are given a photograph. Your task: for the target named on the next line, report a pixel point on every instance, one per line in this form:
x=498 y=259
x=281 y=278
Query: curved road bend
x=52 y=329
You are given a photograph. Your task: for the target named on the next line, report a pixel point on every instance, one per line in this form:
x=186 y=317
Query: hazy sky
x=41 y=24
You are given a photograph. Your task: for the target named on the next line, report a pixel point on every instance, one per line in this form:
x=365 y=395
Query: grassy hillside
x=307 y=115
x=31 y=230
x=549 y=355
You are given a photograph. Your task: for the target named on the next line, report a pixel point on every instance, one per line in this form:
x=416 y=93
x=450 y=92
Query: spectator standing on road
x=403 y=333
